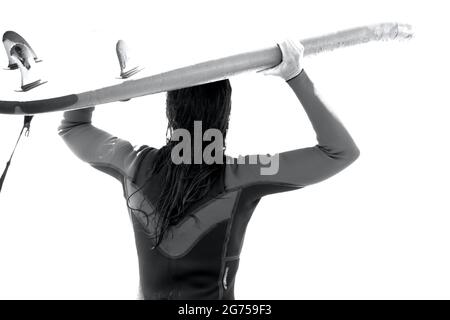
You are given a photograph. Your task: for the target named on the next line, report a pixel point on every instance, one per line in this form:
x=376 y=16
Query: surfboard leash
x=26 y=129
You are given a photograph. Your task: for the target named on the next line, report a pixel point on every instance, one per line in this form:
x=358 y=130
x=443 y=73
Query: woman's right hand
x=292 y=60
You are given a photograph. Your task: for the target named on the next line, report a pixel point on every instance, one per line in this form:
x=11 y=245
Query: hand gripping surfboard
x=208 y=71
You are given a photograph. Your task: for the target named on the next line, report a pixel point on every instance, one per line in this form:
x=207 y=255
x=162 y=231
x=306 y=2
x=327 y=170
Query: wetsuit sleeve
x=298 y=168
x=100 y=149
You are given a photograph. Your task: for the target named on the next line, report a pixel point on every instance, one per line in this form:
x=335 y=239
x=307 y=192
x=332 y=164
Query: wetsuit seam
x=123 y=173
x=130 y=210
x=190 y=215
x=232 y=258
x=205 y=233
x=225 y=244
x=207 y=203
x=162 y=251
x=107 y=165
x=251 y=184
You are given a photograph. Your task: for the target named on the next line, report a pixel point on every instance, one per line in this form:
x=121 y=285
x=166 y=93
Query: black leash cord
x=26 y=128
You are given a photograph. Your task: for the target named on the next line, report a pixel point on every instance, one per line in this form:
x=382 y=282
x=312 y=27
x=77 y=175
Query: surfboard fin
x=23 y=57
x=11 y=38
x=128 y=67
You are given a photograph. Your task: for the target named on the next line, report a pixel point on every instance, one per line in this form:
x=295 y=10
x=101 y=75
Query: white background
x=380 y=229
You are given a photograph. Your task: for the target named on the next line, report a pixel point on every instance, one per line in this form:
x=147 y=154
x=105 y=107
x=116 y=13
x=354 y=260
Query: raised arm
x=334 y=151
x=100 y=149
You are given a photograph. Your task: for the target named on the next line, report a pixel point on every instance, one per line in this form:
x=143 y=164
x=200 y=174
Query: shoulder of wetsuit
x=146 y=155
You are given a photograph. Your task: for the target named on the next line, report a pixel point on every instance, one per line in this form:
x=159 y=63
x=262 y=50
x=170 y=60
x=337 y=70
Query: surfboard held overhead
x=208 y=71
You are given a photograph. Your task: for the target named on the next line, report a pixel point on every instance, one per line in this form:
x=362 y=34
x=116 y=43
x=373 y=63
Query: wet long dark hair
x=184 y=185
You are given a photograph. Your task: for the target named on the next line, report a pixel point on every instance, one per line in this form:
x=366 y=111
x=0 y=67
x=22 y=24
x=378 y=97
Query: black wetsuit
x=200 y=256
